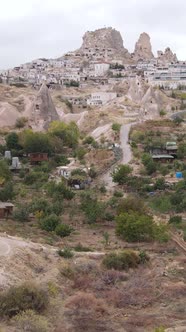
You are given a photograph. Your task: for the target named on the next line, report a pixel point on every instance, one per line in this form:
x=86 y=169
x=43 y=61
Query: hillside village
x=93 y=190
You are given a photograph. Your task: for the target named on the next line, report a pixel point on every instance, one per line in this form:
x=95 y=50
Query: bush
x=121 y=174
x=65 y=253
x=31 y=322
x=21 y=122
x=116 y=127
x=35 y=177
x=22 y=298
x=133 y=227
x=50 y=223
x=175 y=220
x=132 y=204
x=93 y=209
x=63 y=230
x=118 y=194
x=45 y=208
x=149 y=164
x=81 y=248
x=21 y=214
x=7 y=192
x=121 y=261
x=59 y=191
x=4 y=170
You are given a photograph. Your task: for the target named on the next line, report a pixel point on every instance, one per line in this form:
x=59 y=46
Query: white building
x=101 y=98
x=171 y=76
x=101 y=68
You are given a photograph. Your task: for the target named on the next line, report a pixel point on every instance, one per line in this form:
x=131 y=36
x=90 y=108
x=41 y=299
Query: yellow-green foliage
x=30 y=321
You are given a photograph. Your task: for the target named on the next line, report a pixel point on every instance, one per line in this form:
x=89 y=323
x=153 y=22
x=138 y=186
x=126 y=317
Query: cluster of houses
x=165 y=154
x=95 y=66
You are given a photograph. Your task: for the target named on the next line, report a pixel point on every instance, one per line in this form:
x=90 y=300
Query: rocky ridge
x=167 y=56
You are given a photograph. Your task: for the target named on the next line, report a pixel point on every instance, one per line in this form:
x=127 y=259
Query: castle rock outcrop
x=143 y=48
x=106 y=42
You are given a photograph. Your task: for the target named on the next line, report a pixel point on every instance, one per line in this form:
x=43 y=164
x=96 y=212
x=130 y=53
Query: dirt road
x=126 y=151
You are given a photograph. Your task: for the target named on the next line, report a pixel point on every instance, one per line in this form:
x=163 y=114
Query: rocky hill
x=105 y=39
x=143 y=48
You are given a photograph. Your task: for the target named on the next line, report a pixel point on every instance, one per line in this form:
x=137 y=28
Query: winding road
x=126 y=154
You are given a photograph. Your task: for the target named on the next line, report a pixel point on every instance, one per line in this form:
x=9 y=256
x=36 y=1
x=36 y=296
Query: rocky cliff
x=143 y=48
x=43 y=110
x=167 y=56
x=106 y=38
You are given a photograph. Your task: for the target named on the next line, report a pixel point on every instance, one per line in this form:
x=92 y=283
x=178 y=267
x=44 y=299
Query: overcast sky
x=30 y=29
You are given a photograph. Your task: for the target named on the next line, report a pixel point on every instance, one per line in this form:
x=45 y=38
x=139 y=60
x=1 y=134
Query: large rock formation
x=43 y=110
x=106 y=39
x=167 y=56
x=143 y=48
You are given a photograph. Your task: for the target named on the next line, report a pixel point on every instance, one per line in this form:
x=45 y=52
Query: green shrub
x=21 y=214
x=81 y=248
x=175 y=220
x=121 y=174
x=132 y=204
x=121 y=261
x=118 y=194
x=35 y=177
x=93 y=209
x=5 y=173
x=50 y=223
x=134 y=227
x=21 y=298
x=103 y=189
x=63 y=230
x=66 y=253
x=80 y=153
x=21 y=122
x=59 y=191
x=144 y=258
x=7 y=193
x=116 y=127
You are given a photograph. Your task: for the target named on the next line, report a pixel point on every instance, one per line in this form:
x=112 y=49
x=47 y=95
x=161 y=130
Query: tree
x=21 y=214
x=182 y=151
x=68 y=133
x=134 y=227
x=4 y=170
x=12 y=141
x=93 y=209
x=35 y=142
x=148 y=163
x=7 y=192
x=121 y=173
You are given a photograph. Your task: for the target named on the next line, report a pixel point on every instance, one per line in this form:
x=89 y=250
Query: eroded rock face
x=143 y=48
x=167 y=56
x=44 y=111
x=104 y=39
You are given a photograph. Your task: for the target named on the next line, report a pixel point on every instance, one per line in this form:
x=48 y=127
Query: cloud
x=48 y=28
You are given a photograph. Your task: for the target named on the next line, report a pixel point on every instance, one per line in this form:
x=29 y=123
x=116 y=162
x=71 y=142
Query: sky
x=30 y=29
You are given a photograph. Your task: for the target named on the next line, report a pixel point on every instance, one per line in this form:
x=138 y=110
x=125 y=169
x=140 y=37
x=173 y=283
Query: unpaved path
x=126 y=152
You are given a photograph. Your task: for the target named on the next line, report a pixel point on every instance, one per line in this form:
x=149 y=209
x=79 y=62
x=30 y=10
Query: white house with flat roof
x=101 y=98
x=101 y=68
